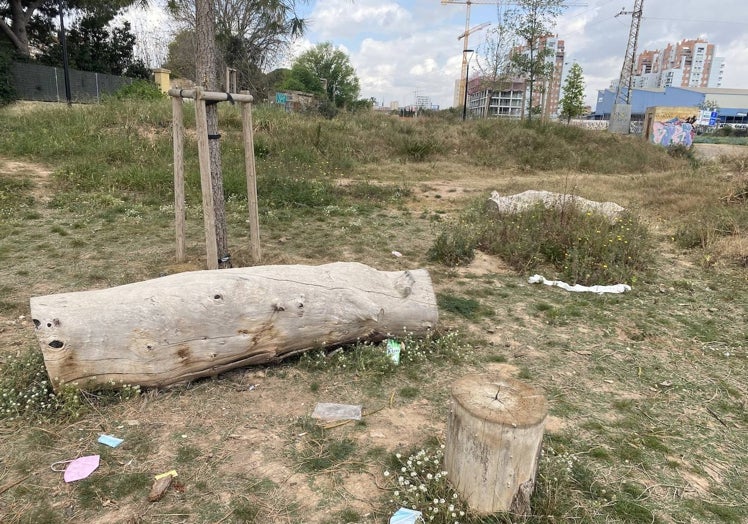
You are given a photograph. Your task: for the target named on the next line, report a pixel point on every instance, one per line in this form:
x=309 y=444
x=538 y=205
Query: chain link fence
x=47 y=84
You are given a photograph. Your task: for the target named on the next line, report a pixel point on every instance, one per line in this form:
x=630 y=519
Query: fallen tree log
x=201 y=323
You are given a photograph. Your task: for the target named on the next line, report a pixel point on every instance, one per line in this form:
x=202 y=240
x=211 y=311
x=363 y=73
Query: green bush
x=140 y=90
x=7 y=92
x=580 y=247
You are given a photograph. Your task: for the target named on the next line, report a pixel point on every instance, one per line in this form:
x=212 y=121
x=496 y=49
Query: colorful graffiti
x=673 y=132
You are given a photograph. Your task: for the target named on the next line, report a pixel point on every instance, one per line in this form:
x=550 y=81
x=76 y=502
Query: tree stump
x=201 y=323
x=494 y=435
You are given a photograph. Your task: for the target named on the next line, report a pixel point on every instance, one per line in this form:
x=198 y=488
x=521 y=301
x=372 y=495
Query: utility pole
x=620 y=118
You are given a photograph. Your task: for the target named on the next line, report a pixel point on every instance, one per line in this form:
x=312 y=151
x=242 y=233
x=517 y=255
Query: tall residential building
x=547 y=91
x=689 y=63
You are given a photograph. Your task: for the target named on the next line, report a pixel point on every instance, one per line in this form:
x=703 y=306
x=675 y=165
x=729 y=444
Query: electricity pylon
x=627 y=71
x=620 y=117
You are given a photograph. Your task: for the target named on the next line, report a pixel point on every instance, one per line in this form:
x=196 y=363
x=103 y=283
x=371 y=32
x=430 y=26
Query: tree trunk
x=202 y=323
x=494 y=435
x=207 y=78
x=17 y=32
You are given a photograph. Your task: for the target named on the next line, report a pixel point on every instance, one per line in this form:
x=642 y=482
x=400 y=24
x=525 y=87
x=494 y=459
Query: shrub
x=453 y=246
x=7 y=92
x=581 y=247
x=139 y=90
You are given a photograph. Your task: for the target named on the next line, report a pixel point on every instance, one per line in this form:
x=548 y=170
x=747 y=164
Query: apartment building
x=688 y=63
x=547 y=91
x=510 y=96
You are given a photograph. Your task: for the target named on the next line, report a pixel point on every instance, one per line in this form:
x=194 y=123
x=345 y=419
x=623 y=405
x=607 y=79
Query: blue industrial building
x=732 y=103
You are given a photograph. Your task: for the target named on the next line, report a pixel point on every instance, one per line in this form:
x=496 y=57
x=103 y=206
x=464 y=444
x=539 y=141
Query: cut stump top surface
x=500 y=400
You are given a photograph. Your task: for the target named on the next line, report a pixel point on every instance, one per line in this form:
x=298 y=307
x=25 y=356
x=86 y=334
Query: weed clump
x=579 y=246
x=27 y=394
x=419 y=482
x=25 y=391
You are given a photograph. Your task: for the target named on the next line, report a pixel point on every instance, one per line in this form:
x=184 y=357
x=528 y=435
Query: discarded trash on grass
x=393 y=350
x=330 y=412
x=170 y=473
x=616 y=288
x=79 y=468
x=397 y=254
x=406 y=516
x=160 y=485
x=110 y=441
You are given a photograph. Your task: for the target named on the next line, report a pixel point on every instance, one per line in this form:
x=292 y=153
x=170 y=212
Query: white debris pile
x=527 y=199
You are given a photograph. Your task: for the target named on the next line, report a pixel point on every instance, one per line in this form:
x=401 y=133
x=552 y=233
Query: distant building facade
x=503 y=98
x=492 y=99
x=688 y=63
x=547 y=92
x=732 y=104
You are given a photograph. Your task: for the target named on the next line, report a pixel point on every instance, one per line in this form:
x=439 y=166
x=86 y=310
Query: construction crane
x=627 y=71
x=468 y=30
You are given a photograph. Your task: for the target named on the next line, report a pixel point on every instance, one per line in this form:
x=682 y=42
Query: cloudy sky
x=401 y=48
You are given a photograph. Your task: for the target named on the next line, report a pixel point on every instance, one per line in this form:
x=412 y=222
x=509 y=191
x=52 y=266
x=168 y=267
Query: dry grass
x=646 y=390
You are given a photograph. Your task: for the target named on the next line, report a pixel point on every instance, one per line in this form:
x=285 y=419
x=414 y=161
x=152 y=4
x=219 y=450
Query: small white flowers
x=423 y=485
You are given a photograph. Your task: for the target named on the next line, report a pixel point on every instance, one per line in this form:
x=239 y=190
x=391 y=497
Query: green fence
x=45 y=83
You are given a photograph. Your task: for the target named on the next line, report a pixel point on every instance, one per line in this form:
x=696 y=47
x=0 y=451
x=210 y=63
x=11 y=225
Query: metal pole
x=467 y=74
x=65 y=66
x=464 y=105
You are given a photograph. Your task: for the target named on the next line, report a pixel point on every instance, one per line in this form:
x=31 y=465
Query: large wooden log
x=189 y=325
x=494 y=434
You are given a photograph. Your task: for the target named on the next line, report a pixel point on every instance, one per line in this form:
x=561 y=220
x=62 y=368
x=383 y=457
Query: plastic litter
x=393 y=350
x=110 y=441
x=81 y=468
x=330 y=412
x=406 y=516
x=170 y=473
x=616 y=288
x=397 y=254
x=160 y=485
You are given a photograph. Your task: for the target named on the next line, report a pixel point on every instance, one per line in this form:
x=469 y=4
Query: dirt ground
x=239 y=429
x=715 y=151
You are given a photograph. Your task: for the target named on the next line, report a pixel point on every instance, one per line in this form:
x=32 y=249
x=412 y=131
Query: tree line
x=250 y=36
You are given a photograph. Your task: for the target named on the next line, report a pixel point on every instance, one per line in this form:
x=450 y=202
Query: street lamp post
x=467 y=74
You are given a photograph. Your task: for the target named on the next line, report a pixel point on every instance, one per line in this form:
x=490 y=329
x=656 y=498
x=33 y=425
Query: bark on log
x=494 y=436
x=189 y=325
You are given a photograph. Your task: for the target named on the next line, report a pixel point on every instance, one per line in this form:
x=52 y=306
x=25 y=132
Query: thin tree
x=572 y=103
x=493 y=61
x=532 y=23
x=251 y=35
x=205 y=67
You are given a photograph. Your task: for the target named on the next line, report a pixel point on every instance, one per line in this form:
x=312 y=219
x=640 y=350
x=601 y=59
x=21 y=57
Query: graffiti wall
x=670 y=126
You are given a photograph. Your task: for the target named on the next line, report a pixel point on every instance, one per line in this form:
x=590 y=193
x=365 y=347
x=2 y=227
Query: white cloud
x=335 y=19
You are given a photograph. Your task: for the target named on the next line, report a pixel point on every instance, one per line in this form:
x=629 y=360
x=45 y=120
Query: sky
x=407 y=48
